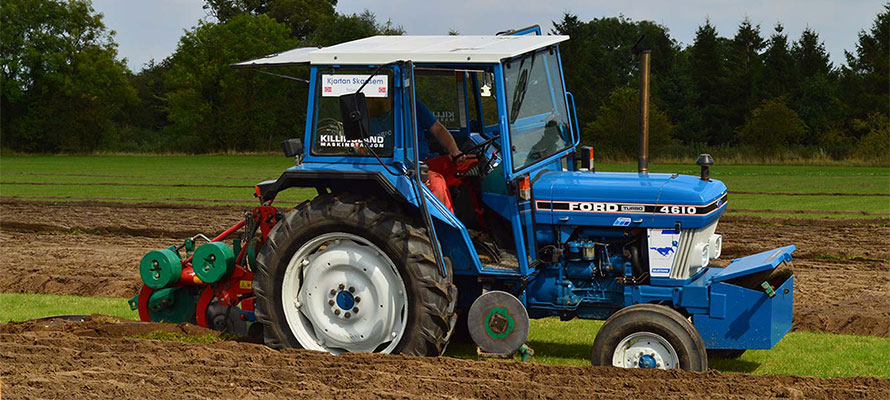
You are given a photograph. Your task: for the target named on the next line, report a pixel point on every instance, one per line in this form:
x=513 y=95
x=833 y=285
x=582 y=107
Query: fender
x=453 y=236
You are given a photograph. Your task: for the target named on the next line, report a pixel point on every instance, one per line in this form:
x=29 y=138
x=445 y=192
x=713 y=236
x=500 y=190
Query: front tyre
x=649 y=336
x=340 y=274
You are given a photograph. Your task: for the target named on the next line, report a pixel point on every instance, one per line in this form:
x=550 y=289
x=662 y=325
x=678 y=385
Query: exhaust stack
x=644 y=53
x=643 y=162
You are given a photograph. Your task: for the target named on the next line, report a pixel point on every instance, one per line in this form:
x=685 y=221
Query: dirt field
x=65 y=360
x=842 y=267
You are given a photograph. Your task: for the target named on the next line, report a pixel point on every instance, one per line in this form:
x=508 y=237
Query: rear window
x=329 y=135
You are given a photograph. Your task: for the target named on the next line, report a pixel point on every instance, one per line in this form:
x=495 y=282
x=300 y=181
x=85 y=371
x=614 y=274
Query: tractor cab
x=452 y=201
x=501 y=98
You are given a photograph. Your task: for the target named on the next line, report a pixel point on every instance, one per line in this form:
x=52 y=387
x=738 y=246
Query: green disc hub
x=499 y=323
x=213 y=261
x=160 y=268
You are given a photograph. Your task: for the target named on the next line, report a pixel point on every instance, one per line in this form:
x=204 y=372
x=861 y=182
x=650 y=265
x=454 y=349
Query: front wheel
x=649 y=336
x=341 y=274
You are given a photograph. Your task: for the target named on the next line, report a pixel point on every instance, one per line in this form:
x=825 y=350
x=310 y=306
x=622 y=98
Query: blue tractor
x=377 y=263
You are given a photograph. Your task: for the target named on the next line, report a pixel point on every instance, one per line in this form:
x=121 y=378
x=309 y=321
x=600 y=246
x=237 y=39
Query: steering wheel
x=479 y=149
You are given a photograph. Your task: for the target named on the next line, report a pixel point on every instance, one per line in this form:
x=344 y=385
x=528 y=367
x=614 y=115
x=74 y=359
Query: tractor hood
x=627 y=199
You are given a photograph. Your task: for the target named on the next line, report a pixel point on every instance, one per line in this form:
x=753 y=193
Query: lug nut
x=342 y=286
x=333 y=292
x=358 y=299
x=355 y=310
x=351 y=289
x=347 y=315
x=336 y=312
x=330 y=302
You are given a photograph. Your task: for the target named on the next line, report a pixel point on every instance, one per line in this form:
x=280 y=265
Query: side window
x=439 y=91
x=329 y=135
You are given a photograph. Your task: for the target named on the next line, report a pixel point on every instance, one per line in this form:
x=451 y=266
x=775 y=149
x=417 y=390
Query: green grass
x=554 y=341
x=246 y=170
x=799 y=353
x=20 y=307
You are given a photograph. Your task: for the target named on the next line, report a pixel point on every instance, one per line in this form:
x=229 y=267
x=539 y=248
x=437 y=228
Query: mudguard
x=744 y=317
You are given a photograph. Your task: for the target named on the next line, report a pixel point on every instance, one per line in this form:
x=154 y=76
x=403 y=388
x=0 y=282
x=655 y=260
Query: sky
x=151 y=29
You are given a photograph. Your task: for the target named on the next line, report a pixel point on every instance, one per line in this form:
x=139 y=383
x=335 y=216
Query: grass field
x=228 y=179
x=559 y=342
x=793 y=191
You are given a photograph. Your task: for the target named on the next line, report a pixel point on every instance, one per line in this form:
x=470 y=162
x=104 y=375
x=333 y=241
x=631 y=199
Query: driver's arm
x=445 y=139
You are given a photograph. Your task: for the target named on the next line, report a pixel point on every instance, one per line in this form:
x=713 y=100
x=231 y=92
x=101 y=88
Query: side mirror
x=354 y=114
x=292 y=147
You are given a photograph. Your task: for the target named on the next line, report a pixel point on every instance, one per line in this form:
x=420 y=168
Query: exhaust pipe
x=643 y=161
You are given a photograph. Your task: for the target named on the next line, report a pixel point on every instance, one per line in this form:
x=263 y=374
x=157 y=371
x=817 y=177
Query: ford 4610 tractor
x=376 y=262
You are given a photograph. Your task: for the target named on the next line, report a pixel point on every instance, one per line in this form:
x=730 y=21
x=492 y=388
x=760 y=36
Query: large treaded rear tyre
x=430 y=300
x=635 y=326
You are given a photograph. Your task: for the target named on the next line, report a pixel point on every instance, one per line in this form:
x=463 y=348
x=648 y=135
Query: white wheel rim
x=341 y=293
x=645 y=350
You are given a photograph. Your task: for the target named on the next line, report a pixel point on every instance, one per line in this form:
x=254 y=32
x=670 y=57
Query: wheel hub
x=645 y=350
x=345 y=300
x=346 y=295
x=647 y=361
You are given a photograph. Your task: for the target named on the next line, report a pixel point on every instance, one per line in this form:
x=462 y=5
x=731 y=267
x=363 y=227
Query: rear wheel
x=340 y=274
x=649 y=336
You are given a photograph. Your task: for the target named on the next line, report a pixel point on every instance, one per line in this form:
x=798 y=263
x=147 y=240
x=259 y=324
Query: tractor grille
x=681 y=262
x=688 y=260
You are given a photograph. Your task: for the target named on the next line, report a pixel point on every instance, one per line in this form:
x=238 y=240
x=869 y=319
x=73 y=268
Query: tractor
x=376 y=262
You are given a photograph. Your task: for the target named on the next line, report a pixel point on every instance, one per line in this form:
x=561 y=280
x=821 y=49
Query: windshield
x=539 y=122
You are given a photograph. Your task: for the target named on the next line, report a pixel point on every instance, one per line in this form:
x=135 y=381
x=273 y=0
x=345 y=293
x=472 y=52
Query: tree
x=212 y=106
x=708 y=71
x=63 y=87
x=772 y=127
x=810 y=54
x=875 y=145
x=866 y=82
x=303 y=17
x=344 y=28
x=816 y=101
x=616 y=128
x=778 y=71
x=598 y=59
x=744 y=64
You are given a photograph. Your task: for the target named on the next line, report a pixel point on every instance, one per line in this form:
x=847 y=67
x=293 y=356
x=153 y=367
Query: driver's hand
x=457 y=157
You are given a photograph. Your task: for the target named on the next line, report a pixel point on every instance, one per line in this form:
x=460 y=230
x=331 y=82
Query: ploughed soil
x=841 y=267
x=100 y=358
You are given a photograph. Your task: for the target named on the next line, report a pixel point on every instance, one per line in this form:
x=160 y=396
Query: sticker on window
x=338 y=85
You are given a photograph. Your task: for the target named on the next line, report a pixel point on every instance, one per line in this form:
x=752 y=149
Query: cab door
x=536 y=134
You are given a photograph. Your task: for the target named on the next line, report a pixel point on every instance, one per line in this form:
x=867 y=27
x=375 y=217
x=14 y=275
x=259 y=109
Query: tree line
x=66 y=89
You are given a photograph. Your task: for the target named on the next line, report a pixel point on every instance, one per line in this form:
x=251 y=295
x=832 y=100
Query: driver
x=428 y=126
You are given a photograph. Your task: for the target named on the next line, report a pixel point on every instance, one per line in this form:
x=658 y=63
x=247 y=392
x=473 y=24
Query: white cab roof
x=419 y=49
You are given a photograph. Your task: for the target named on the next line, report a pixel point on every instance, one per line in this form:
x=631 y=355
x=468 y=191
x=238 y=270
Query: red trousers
x=442 y=172
x=439 y=187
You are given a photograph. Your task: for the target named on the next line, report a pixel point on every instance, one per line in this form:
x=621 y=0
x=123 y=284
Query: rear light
x=586 y=155
x=525 y=188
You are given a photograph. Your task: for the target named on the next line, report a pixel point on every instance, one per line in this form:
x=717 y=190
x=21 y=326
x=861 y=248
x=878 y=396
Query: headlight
x=715 y=244
x=702 y=250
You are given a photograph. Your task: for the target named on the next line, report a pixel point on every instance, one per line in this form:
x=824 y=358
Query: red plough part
x=173 y=291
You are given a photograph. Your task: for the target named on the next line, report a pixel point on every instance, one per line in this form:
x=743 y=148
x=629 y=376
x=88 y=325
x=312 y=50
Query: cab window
x=329 y=135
